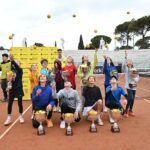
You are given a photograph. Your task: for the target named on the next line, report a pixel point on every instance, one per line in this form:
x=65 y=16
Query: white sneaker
x=111 y=120
x=8 y=121
x=62 y=124
x=21 y=119
x=105 y=109
x=100 y=122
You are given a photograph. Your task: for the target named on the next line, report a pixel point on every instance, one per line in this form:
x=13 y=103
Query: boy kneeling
x=43 y=101
x=113 y=96
x=93 y=104
x=70 y=105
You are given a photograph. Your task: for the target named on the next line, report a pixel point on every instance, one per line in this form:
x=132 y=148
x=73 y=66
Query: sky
x=28 y=19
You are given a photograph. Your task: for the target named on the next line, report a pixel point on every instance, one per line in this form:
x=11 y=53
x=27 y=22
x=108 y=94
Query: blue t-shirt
x=45 y=71
x=116 y=93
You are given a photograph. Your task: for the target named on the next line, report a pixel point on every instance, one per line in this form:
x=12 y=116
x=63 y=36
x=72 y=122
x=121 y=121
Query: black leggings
x=131 y=97
x=35 y=123
x=4 y=86
x=10 y=103
x=66 y=109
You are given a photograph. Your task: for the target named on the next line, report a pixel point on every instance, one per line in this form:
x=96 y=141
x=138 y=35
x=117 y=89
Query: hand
x=114 y=87
x=76 y=115
x=38 y=92
x=49 y=107
x=53 y=86
x=11 y=57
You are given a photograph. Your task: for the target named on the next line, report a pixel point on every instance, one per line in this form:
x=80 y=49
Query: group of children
x=56 y=88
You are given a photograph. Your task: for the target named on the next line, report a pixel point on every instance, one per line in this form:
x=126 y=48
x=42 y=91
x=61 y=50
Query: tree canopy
x=128 y=30
x=96 y=40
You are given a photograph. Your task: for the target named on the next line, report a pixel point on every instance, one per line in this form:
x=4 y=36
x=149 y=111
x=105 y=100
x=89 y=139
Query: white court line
x=5 y=132
x=146 y=100
x=143 y=89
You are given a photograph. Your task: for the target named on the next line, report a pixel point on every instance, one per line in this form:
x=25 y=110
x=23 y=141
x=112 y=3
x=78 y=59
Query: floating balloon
x=95 y=31
x=49 y=16
x=10 y=37
x=74 y=15
x=128 y=12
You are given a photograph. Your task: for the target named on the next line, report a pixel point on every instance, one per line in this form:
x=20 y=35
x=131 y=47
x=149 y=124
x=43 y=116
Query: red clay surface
x=134 y=135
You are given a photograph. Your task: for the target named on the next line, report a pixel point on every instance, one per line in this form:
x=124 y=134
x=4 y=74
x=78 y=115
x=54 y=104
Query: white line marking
x=143 y=89
x=5 y=132
x=147 y=100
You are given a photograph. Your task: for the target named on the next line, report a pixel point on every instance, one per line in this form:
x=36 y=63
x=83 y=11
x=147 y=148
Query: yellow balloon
x=95 y=31
x=10 y=37
x=128 y=12
x=74 y=15
x=49 y=16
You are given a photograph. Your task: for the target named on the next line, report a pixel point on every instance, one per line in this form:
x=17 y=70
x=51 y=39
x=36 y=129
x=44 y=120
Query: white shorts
x=87 y=109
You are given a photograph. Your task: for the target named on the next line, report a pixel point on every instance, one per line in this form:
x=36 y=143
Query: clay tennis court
x=134 y=135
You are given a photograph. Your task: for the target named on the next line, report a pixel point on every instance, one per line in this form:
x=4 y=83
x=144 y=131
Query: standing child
x=69 y=71
x=15 y=90
x=33 y=77
x=5 y=66
x=86 y=69
x=131 y=79
x=45 y=70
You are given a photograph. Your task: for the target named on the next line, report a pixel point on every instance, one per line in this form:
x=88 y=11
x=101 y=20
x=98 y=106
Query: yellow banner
x=32 y=55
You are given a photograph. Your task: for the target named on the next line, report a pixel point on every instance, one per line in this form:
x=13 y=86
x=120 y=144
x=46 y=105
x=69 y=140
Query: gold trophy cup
x=116 y=116
x=40 y=116
x=92 y=116
x=69 y=118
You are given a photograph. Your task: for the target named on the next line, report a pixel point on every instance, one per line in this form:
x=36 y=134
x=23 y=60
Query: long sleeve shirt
x=44 y=98
x=107 y=71
x=70 y=97
x=128 y=77
x=90 y=72
x=33 y=77
x=17 y=83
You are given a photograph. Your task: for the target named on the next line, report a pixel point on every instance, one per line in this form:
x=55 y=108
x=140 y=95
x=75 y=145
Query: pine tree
x=81 y=44
x=55 y=44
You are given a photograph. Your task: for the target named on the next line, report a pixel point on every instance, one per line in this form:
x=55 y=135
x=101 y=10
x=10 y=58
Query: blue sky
x=27 y=18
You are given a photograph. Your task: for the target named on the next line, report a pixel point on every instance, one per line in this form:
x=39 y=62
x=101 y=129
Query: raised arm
x=95 y=61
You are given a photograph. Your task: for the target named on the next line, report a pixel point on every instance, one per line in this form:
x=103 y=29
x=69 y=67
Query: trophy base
x=93 y=129
x=115 y=130
x=69 y=132
x=42 y=132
